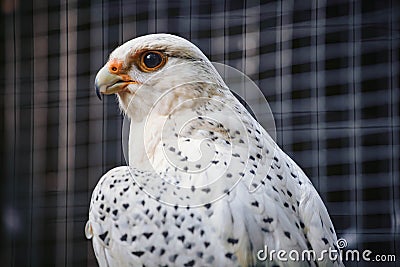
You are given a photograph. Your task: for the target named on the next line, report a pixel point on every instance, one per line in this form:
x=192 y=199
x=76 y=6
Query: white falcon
x=206 y=185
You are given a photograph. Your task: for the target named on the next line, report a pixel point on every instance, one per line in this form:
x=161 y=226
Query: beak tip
x=98 y=93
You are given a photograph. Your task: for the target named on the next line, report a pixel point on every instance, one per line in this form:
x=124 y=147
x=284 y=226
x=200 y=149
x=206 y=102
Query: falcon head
x=142 y=72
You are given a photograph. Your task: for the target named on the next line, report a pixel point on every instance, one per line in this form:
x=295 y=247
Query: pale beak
x=108 y=83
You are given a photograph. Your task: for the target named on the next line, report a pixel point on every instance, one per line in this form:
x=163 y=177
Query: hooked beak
x=108 y=83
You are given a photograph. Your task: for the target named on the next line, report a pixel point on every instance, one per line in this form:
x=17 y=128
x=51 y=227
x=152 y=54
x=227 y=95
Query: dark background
x=329 y=70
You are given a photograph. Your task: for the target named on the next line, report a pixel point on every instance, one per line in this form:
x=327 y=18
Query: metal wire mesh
x=329 y=69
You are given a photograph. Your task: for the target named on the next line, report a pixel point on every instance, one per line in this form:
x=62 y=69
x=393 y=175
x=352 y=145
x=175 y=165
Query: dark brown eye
x=152 y=61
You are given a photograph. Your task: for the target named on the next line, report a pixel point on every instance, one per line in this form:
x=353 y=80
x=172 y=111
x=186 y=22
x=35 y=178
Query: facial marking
x=149 y=60
x=115 y=66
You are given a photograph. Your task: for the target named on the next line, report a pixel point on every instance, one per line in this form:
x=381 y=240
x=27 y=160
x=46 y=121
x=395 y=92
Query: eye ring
x=152 y=61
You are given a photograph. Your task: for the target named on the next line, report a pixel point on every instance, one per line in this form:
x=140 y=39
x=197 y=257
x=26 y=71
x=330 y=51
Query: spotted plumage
x=206 y=185
x=130 y=228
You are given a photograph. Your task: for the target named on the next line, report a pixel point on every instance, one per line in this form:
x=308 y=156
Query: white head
x=143 y=71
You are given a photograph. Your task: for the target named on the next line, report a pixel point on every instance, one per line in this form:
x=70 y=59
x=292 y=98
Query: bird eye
x=152 y=61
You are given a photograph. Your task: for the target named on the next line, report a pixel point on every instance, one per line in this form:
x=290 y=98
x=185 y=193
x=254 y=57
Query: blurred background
x=329 y=70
